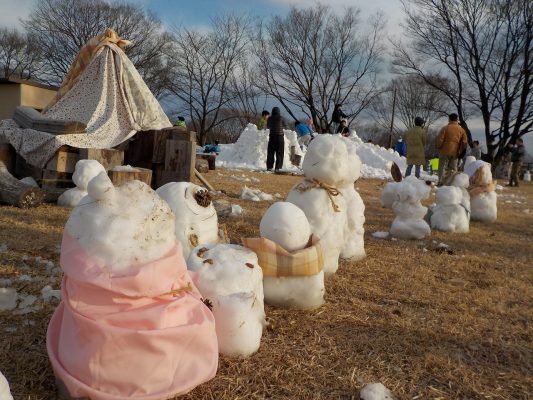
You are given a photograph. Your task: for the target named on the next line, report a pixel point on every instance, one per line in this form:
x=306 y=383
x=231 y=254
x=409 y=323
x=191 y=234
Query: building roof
x=4 y=81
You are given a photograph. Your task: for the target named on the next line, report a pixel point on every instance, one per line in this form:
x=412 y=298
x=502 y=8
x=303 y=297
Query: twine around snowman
x=331 y=191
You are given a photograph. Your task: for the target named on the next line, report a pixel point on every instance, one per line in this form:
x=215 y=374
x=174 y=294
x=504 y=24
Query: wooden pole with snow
x=17 y=193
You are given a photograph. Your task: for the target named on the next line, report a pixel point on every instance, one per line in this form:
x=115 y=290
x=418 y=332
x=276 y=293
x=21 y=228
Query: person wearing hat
x=180 y=123
x=415 y=140
x=400 y=147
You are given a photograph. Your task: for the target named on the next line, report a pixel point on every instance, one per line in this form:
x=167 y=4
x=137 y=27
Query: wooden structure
x=118 y=177
x=19 y=92
x=17 y=193
x=211 y=159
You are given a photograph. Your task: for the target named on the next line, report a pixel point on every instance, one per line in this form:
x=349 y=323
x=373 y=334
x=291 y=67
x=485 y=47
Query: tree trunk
x=17 y=193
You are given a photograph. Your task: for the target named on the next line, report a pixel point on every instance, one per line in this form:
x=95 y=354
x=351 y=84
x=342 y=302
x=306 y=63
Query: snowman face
x=286 y=224
x=327 y=160
x=448 y=195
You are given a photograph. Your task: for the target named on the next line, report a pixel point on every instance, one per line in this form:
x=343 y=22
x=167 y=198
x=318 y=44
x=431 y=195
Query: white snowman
x=462 y=181
x=84 y=171
x=449 y=215
x=389 y=194
x=325 y=196
x=409 y=221
x=286 y=225
x=231 y=281
x=483 y=197
x=196 y=217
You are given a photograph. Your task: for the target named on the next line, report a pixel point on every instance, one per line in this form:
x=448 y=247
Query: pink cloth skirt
x=145 y=335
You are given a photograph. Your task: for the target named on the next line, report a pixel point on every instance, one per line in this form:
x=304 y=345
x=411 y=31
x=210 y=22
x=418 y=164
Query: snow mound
x=124 y=168
x=254 y=194
x=375 y=391
x=380 y=235
x=84 y=171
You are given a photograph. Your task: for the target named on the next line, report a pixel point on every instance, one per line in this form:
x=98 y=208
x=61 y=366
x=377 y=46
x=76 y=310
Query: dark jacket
x=517 y=154
x=400 y=148
x=338 y=115
x=275 y=122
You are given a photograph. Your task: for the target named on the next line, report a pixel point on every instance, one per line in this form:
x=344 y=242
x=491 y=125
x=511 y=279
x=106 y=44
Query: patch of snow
x=8 y=298
x=30 y=181
x=236 y=211
x=254 y=194
x=124 y=168
x=48 y=293
x=3 y=248
x=24 y=278
x=380 y=235
x=375 y=391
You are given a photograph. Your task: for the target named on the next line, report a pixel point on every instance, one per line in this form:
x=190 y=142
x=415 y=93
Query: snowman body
x=196 y=217
x=5 y=393
x=483 y=197
x=409 y=212
x=389 y=194
x=84 y=171
x=462 y=181
x=449 y=215
x=229 y=277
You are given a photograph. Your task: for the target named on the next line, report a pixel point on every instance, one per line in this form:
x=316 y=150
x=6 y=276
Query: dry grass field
x=428 y=325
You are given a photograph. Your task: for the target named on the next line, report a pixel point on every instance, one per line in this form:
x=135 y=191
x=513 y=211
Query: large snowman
x=290 y=257
x=129 y=308
x=483 y=197
x=196 y=217
x=329 y=200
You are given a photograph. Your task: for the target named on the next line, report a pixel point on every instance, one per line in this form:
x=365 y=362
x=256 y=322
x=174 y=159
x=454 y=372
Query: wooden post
x=17 y=193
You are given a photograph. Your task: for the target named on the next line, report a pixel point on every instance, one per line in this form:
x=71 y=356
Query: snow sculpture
x=196 y=217
x=230 y=279
x=5 y=393
x=388 y=194
x=449 y=215
x=483 y=197
x=84 y=171
x=462 y=181
x=129 y=308
x=291 y=259
x=409 y=222
x=328 y=199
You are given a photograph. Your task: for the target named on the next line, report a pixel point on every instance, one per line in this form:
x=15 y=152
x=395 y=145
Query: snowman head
x=327 y=160
x=461 y=180
x=448 y=195
x=84 y=171
x=286 y=224
x=122 y=226
x=411 y=190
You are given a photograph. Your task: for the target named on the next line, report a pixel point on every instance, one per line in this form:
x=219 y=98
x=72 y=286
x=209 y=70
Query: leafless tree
x=61 y=27
x=313 y=58
x=19 y=55
x=202 y=69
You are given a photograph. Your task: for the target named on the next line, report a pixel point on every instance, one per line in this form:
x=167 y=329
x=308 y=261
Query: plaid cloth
x=275 y=261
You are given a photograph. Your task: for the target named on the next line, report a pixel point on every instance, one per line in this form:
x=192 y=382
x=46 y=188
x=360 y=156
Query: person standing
x=337 y=117
x=180 y=123
x=276 y=141
x=261 y=124
x=415 y=140
x=400 y=147
x=451 y=142
x=517 y=155
x=304 y=133
x=475 y=150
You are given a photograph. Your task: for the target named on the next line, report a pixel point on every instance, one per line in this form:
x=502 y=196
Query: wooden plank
x=180 y=156
x=140 y=174
x=63 y=161
x=203 y=180
x=109 y=158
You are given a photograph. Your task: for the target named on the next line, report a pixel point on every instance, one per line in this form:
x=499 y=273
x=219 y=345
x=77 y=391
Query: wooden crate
x=64 y=160
x=55 y=180
x=109 y=158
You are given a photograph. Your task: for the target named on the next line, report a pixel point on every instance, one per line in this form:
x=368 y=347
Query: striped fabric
x=275 y=261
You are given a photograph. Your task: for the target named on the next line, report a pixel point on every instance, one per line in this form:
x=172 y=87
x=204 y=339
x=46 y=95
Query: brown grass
x=427 y=325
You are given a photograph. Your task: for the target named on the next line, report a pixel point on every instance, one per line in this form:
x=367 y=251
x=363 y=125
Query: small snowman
x=325 y=196
x=462 y=181
x=449 y=215
x=231 y=282
x=290 y=257
x=196 y=217
x=483 y=197
x=127 y=299
x=84 y=171
x=409 y=222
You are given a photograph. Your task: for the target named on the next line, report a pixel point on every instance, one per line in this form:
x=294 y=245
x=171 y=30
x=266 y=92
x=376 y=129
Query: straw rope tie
x=331 y=191
x=178 y=291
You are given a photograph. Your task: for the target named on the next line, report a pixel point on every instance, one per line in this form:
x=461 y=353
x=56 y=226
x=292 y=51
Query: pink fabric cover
x=124 y=337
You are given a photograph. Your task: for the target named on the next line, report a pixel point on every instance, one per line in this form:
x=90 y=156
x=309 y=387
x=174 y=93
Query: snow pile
x=84 y=171
x=124 y=168
x=5 y=393
x=196 y=217
x=123 y=226
x=449 y=215
x=409 y=222
x=484 y=205
x=286 y=224
x=8 y=299
x=375 y=391
x=254 y=194
x=236 y=211
x=327 y=196
x=244 y=178
x=30 y=181
x=250 y=150
x=380 y=235
x=48 y=293
x=3 y=248
x=231 y=279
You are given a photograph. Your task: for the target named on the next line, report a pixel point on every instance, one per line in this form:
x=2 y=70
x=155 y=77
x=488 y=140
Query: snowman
x=409 y=221
x=449 y=215
x=84 y=171
x=483 y=198
x=231 y=282
x=290 y=257
x=196 y=217
x=325 y=196
x=127 y=299
x=389 y=194
x=462 y=181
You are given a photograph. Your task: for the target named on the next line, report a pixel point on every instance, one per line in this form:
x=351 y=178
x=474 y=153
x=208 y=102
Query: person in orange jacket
x=452 y=140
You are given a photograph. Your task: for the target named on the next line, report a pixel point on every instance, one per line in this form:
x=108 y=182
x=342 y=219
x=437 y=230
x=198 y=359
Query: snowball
x=286 y=224
x=295 y=292
x=5 y=393
x=196 y=217
x=375 y=391
x=231 y=279
x=128 y=226
x=30 y=181
x=71 y=198
x=449 y=215
x=84 y=171
x=8 y=299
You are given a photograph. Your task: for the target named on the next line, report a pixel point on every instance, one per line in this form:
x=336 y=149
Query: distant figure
x=337 y=117
x=345 y=132
x=451 y=142
x=415 y=139
x=517 y=155
x=304 y=133
x=261 y=124
x=342 y=126
x=434 y=165
x=400 y=147
x=310 y=124
x=180 y=123
x=276 y=141
x=475 y=150
x=212 y=148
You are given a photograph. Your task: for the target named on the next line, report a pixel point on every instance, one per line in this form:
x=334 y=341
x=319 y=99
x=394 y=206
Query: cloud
x=13 y=11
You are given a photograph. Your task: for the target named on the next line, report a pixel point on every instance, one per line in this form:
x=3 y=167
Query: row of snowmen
x=151 y=290
x=469 y=195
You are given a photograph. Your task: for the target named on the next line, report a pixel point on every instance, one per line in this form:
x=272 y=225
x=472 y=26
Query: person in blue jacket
x=400 y=147
x=212 y=148
x=304 y=133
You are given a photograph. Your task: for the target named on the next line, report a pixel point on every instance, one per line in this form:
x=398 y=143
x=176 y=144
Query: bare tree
x=202 y=67
x=19 y=55
x=61 y=27
x=313 y=58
